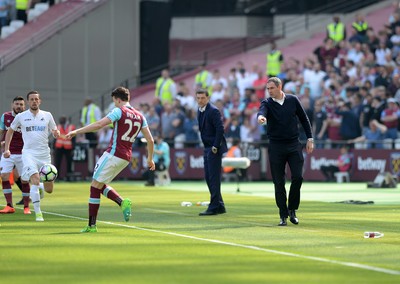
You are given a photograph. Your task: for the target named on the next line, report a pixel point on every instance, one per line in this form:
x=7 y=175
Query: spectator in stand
x=327 y=53
x=316 y=80
x=260 y=85
x=336 y=31
x=395 y=40
x=90 y=113
x=177 y=125
x=343 y=165
x=340 y=59
x=331 y=126
x=390 y=118
x=64 y=147
x=22 y=8
x=351 y=69
x=166 y=124
x=308 y=108
x=153 y=121
x=350 y=124
x=165 y=88
x=253 y=104
x=218 y=79
x=191 y=129
x=161 y=160
x=253 y=74
x=225 y=114
x=372 y=40
x=355 y=53
x=373 y=135
x=218 y=93
x=360 y=25
x=395 y=16
x=232 y=81
x=236 y=106
x=203 y=78
x=5 y=5
x=243 y=82
x=240 y=66
x=318 y=120
x=274 y=61
x=233 y=129
x=383 y=77
x=185 y=97
x=381 y=53
x=245 y=131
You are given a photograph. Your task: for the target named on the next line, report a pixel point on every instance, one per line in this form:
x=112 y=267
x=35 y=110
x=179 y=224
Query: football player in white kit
x=35 y=125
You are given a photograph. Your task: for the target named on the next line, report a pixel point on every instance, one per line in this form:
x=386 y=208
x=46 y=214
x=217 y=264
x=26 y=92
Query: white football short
x=7 y=164
x=32 y=164
x=108 y=167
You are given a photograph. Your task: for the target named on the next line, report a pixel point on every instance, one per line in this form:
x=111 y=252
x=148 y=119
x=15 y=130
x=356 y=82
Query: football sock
x=94 y=204
x=110 y=193
x=19 y=183
x=7 y=192
x=35 y=196
x=25 y=193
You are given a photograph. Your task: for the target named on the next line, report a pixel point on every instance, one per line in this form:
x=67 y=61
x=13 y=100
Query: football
x=48 y=173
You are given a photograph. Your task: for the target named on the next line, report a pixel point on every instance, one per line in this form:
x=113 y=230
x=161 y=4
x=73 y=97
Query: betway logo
x=317 y=163
x=371 y=164
x=196 y=162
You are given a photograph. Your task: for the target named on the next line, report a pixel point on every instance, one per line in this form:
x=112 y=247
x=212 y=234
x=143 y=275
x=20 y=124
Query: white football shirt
x=35 y=130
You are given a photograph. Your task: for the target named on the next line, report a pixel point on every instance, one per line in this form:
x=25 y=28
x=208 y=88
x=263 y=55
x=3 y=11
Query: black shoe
x=282 y=222
x=221 y=210
x=21 y=202
x=149 y=184
x=293 y=218
x=209 y=213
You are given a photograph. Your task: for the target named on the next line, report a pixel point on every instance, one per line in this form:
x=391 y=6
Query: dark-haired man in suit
x=212 y=135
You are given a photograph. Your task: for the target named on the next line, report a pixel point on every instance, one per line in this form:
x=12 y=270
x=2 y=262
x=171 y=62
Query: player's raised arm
x=90 y=128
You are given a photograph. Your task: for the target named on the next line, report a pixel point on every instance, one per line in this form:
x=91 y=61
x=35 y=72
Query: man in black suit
x=281 y=112
x=212 y=135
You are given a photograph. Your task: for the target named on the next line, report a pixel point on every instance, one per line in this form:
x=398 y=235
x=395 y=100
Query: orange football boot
x=7 y=210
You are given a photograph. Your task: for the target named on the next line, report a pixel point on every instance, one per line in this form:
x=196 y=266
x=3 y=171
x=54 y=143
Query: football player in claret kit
x=15 y=159
x=127 y=122
x=35 y=125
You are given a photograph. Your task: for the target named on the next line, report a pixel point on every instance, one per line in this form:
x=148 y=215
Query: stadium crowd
x=349 y=86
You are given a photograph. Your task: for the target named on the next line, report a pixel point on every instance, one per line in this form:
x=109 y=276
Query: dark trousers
x=59 y=154
x=212 y=171
x=279 y=155
x=150 y=175
x=329 y=172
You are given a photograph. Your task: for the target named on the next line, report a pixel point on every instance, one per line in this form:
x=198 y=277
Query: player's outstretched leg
x=126 y=207
x=125 y=204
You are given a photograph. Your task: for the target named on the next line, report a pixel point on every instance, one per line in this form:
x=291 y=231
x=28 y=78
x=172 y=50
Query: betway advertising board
x=187 y=164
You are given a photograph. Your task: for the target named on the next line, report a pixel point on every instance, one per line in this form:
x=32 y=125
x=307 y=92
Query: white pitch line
x=320 y=259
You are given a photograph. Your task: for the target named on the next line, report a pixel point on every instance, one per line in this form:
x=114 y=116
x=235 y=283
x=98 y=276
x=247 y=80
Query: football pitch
x=167 y=243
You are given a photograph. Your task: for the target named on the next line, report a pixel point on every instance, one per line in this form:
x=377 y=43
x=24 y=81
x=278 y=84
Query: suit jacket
x=212 y=128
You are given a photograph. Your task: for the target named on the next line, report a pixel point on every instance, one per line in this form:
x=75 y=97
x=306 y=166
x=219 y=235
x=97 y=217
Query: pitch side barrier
x=187 y=163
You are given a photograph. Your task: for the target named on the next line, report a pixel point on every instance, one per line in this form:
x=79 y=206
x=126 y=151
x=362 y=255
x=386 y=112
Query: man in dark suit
x=212 y=135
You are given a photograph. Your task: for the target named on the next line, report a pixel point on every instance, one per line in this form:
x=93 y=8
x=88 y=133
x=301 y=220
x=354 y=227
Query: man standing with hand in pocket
x=212 y=134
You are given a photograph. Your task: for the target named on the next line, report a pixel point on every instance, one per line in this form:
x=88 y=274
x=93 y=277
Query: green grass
x=167 y=243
